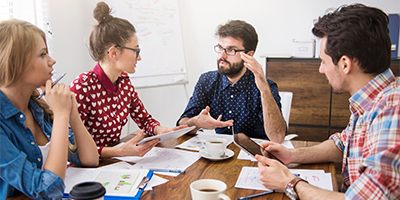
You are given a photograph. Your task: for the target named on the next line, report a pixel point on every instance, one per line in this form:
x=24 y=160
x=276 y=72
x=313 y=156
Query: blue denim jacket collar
x=8 y=110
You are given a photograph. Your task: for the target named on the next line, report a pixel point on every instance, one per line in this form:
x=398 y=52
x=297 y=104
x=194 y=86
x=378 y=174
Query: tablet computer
x=251 y=147
x=167 y=136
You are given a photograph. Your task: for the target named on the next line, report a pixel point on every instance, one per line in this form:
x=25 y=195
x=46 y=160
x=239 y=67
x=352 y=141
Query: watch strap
x=294 y=181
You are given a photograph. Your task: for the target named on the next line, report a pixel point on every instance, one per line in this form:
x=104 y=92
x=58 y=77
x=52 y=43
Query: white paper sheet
x=163 y=158
x=196 y=143
x=116 y=182
x=248 y=178
x=155 y=181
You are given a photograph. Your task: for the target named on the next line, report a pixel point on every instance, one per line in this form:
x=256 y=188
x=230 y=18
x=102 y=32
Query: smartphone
x=251 y=147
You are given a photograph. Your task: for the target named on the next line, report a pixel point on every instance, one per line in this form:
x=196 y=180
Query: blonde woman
x=36 y=140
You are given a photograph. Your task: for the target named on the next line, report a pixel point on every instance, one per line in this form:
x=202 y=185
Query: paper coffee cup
x=87 y=190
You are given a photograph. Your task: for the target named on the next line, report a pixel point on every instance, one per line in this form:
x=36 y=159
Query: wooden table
x=177 y=188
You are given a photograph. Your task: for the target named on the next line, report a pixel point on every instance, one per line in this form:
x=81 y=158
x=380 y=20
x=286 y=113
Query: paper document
x=163 y=158
x=248 y=178
x=154 y=181
x=196 y=143
x=116 y=182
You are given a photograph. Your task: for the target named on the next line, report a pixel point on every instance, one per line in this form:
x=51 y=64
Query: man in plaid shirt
x=355 y=57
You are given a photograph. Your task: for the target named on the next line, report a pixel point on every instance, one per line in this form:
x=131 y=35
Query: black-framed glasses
x=137 y=50
x=228 y=51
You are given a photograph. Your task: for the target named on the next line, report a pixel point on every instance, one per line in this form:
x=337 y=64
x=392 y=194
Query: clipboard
x=136 y=197
x=112 y=196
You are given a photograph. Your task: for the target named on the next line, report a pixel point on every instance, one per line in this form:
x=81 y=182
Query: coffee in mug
x=208 y=189
x=216 y=147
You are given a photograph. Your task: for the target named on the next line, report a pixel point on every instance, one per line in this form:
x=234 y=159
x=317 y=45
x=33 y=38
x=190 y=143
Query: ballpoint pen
x=255 y=195
x=168 y=170
x=54 y=83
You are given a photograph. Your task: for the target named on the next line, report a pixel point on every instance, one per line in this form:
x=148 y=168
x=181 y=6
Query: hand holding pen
x=52 y=85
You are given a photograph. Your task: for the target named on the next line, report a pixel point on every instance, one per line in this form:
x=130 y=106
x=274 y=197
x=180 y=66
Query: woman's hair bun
x=102 y=12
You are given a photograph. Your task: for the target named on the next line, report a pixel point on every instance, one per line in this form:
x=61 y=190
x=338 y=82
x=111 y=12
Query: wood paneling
x=316 y=112
x=311 y=91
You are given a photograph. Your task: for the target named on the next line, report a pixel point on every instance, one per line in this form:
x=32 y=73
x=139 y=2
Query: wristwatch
x=289 y=190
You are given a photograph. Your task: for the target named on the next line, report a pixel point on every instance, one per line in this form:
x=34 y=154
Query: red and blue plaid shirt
x=371 y=141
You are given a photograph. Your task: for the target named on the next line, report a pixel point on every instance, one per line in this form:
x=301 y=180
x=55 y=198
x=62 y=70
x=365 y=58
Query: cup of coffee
x=208 y=189
x=216 y=147
x=87 y=190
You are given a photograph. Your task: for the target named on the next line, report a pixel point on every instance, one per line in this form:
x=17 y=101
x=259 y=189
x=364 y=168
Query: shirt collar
x=367 y=94
x=104 y=80
x=243 y=81
x=7 y=108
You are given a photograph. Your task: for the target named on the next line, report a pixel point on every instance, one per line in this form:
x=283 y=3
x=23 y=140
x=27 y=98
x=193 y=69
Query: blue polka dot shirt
x=240 y=101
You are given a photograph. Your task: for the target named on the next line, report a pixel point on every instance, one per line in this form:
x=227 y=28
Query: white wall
x=277 y=22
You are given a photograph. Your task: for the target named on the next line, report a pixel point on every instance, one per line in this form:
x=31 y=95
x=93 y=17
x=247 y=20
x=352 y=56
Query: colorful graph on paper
x=118 y=182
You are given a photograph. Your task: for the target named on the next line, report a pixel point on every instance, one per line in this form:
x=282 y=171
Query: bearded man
x=238 y=94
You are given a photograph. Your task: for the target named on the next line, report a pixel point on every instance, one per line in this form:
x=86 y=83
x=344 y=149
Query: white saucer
x=228 y=154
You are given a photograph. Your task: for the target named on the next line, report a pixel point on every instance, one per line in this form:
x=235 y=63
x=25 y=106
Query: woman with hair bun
x=36 y=141
x=105 y=94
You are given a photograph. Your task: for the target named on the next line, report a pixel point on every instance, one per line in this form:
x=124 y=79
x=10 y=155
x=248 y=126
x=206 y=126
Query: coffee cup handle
x=223 y=197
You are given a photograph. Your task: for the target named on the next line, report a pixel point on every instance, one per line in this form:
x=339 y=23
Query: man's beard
x=232 y=70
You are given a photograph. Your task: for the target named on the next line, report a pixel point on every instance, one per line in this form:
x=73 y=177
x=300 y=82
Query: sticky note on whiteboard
x=179 y=78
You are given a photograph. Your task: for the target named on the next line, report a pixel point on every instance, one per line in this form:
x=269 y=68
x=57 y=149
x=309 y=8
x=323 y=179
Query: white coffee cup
x=216 y=147
x=208 y=189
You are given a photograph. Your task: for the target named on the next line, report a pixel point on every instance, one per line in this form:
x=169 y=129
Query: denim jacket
x=21 y=158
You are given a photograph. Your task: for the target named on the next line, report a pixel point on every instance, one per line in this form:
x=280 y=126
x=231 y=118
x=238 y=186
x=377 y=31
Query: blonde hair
x=17 y=44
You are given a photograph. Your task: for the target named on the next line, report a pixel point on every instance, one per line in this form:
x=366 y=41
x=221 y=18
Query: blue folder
x=110 y=197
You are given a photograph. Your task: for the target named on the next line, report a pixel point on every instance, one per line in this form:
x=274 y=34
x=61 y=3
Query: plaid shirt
x=371 y=141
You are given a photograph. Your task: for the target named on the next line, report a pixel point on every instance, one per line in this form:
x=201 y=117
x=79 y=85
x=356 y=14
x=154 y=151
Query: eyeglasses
x=229 y=51
x=132 y=49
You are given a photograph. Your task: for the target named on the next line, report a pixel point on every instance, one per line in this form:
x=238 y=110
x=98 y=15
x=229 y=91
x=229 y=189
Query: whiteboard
x=158 y=29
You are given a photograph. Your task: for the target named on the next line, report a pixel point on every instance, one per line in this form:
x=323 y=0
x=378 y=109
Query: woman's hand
x=58 y=98
x=131 y=149
x=160 y=129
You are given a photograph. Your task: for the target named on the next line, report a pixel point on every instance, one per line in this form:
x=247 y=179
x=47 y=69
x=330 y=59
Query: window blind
x=33 y=11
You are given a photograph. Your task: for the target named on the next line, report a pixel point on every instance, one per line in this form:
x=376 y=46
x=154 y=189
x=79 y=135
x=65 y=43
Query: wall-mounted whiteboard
x=160 y=39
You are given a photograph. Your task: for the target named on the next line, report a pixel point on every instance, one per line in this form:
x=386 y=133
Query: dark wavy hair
x=239 y=30
x=359 y=32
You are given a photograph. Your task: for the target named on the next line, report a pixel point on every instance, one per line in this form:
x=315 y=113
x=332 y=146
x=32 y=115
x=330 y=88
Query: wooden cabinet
x=316 y=112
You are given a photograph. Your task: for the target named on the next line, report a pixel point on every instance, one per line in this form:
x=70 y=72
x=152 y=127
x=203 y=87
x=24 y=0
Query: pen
x=255 y=195
x=54 y=83
x=168 y=170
